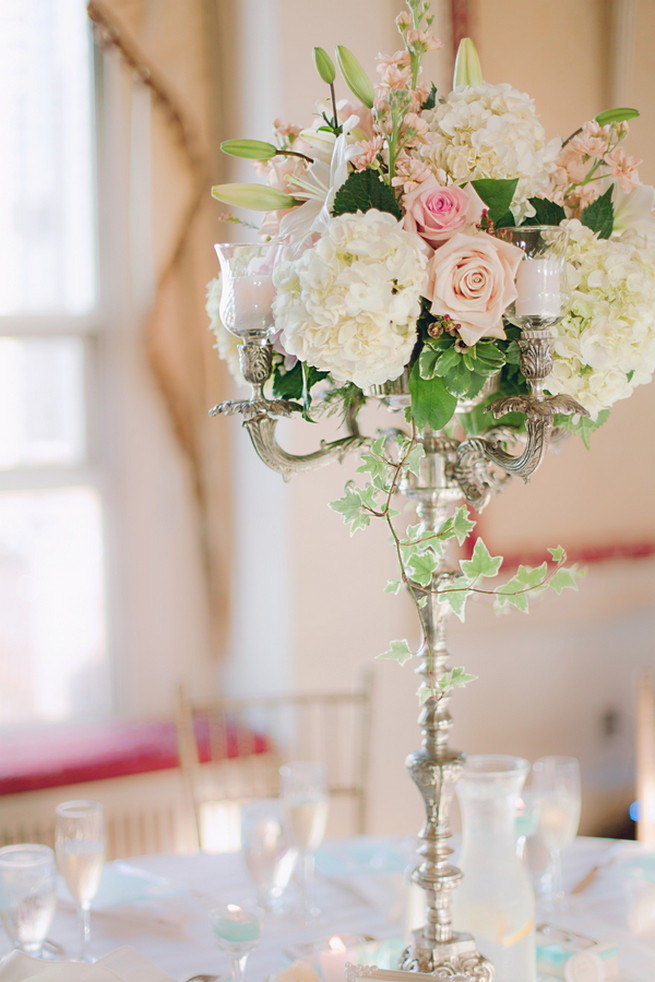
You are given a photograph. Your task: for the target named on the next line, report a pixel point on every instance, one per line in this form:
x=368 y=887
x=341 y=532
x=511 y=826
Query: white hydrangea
x=227 y=344
x=490 y=131
x=606 y=344
x=349 y=304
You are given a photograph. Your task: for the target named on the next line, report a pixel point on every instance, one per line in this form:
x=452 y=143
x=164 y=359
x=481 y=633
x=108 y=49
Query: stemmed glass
x=237 y=930
x=267 y=849
x=27 y=894
x=556 y=783
x=304 y=791
x=80 y=845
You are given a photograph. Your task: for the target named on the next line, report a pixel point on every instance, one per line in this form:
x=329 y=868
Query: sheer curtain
x=168 y=112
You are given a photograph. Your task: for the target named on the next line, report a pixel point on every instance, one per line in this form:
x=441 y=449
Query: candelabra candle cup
x=27 y=894
x=247 y=288
x=237 y=931
x=541 y=286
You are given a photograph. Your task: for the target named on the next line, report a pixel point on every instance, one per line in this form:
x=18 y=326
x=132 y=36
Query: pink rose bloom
x=435 y=213
x=471 y=278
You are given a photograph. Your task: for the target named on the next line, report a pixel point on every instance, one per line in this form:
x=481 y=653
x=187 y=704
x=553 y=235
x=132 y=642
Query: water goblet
x=237 y=930
x=556 y=783
x=267 y=849
x=304 y=791
x=27 y=894
x=80 y=845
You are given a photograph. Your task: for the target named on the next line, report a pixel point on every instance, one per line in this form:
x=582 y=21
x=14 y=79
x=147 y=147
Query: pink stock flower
x=471 y=279
x=623 y=169
x=436 y=213
x=410 y=172
x=369 y=151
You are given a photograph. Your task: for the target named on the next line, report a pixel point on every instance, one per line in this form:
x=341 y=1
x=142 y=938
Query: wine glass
x=267 y=849
x=237 y=930
x=304 y=791
x=556 y=782
x=28 y=894
x=80 y=845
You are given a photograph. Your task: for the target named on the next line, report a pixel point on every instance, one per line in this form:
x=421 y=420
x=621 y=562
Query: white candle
x=233 y=924
x=332 y=961
x=538 y=288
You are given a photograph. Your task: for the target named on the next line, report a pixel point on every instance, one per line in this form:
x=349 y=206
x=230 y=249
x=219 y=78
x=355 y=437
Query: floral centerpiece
x=393 y=214
x=391 y=211
x=397 y=275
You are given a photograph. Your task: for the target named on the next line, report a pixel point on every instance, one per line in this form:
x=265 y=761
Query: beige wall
x=545 y=681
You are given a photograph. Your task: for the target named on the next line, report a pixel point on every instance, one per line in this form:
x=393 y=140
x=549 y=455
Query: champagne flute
x=268 y=851
x=80 y=845
x=237 y=930
x=556 y=782
x=304 y=791
x=28 y=894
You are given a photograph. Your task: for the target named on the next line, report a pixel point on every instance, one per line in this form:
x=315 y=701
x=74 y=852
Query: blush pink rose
x=435 y=213
x=471 y=278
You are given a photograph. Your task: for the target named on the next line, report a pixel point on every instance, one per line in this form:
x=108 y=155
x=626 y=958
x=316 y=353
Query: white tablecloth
x=159 y=905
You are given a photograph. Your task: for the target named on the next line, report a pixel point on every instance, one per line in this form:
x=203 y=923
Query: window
x=53 y=652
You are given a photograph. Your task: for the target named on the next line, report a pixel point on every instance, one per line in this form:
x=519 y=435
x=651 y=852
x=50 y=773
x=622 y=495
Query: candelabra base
x=457 y=960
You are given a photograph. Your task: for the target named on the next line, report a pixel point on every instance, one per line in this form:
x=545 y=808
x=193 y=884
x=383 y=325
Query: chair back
x=230 y=751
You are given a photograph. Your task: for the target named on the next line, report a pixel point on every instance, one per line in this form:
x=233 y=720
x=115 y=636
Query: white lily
x=320 y=183
x=635 y=209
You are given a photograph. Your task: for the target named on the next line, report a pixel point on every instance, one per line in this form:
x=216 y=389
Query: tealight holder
x=237 y=930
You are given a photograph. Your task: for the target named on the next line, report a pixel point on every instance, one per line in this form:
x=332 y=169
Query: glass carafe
x=495 y=901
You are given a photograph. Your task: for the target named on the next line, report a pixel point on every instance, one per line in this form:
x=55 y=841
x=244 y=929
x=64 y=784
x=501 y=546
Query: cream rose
x=471 y=279
x=435 y=212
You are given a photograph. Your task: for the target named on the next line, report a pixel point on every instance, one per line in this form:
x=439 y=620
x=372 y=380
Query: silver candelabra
x=452 y=471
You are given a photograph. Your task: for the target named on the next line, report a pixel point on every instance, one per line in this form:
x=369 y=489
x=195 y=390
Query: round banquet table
x=159 y=905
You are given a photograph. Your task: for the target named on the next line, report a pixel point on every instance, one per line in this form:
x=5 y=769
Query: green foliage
x=364 y=190
x=324 y=65
x=583 y=426
x=620 y=115
x=432 y=404
x=599 y=215
x=497 y=195
x=398 y=651
x=546 y=212
x=420 y=552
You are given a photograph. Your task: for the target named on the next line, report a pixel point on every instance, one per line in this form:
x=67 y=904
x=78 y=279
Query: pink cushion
x=47 y=758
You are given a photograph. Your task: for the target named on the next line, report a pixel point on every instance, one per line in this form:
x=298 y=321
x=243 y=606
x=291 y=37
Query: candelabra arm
x=261 y=429
x=472 y=470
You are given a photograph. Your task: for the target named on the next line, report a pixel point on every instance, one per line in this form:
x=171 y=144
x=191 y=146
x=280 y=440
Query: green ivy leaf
x=558 y=554
x=432 y=404
x=414 y=458
x=393 y=586
x=462 y=524
x=599 y=215
x=455 y=596
x=457 y=678
x=351 y=510
x=481 y=563
x=399 y=651
x=511 y=593
x=546 y=212
x=372 y=465
x=532 y=577
x=563 y=579
x=422 y=566
x=497 y=195
x=362 y=191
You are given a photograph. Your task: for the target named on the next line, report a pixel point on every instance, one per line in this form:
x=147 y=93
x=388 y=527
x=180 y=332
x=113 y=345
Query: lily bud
x=324 y=65
x=356 y=78
x=257 y=197
x=251 y=149
x=467 y=65
x=616 y=116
